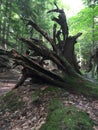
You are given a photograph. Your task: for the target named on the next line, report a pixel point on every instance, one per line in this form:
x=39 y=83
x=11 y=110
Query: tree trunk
x=69 y=80
x=61 y=53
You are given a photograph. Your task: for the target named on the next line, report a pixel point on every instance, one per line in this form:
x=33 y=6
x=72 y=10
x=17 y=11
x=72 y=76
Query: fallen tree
x=68 y=75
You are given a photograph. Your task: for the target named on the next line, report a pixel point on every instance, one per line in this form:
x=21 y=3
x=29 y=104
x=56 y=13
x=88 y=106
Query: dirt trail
x=8 y=80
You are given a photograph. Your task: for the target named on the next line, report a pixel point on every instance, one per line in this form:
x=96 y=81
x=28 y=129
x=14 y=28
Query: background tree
x=89 y=2
x=86 y=21
x=12 y=25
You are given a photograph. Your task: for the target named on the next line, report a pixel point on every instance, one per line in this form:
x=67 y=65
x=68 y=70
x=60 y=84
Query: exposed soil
x=34 y=114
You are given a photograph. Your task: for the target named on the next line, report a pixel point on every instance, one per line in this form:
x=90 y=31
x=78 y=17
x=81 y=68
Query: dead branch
x=43 y=33
x=61 y=20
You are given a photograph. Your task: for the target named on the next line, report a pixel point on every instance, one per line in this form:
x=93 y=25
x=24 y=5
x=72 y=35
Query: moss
x=11 y=101
x=52 y=89
x=67 y=118
x=35 y=96
x=81 y=85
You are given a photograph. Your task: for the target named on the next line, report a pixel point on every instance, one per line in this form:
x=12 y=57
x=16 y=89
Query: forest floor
x=29 y=108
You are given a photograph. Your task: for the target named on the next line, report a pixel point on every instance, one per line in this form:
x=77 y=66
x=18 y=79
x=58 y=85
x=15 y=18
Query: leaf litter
x=34 y=112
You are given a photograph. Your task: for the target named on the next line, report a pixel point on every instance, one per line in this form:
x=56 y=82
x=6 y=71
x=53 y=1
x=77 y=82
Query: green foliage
x=69 y=118
x=13 y=26
x=84 y=22
x=89 y=2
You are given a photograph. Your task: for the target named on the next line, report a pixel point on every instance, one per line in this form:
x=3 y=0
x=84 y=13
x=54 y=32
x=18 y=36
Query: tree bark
x=69 y=80
x=62 y=54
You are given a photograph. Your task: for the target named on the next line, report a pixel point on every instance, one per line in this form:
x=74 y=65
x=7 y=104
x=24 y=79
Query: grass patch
x=66 y=118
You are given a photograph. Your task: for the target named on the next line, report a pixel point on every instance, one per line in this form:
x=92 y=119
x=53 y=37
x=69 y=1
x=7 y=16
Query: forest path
x=8 y=80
